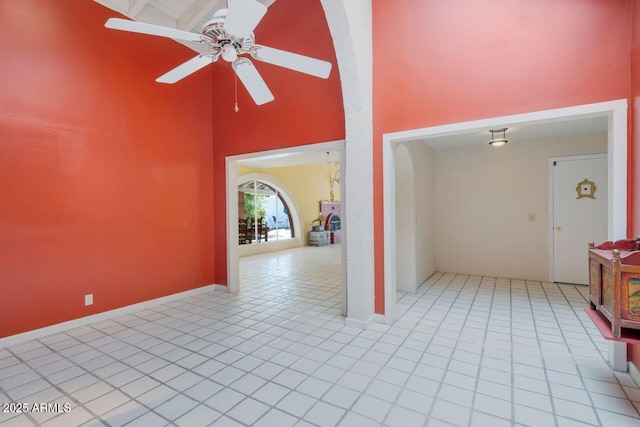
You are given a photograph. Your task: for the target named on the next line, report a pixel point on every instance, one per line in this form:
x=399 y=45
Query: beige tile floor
x=465 y=351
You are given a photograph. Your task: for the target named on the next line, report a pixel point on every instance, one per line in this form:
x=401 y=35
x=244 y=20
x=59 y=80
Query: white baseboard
x=220 y=288
x=618 y=355
x=635 y=373
x=83 y=321
x=359 y=323
x=379 y=318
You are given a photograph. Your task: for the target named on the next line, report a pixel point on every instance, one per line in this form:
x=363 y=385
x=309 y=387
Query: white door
x=579 y=214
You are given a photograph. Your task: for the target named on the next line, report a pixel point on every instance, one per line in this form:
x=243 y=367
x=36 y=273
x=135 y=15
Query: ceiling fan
x=229 y=34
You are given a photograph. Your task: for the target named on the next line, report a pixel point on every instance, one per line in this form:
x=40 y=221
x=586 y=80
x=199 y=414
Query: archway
x=405 y=196
x=350 y=26
x=288 y=201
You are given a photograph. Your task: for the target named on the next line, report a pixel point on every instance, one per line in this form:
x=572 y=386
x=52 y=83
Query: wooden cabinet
x=614 y=283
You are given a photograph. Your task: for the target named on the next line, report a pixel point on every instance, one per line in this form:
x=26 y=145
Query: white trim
x=550 y=203
x=618 y=355
x=635 y=373
x=379 y=318
x=350 y=24
x=408 y=208
x=336 y=145
x=87 y=320
x=232 y=179
x=359 y=323
x=616 y=111
x=598 y=109
x=390 y=261
x=233 y=267
x=268 y=247
x=344 y=225
x=617 y=170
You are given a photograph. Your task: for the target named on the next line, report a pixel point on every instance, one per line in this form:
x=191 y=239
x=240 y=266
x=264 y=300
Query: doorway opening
x=612 y=113
x=279 y=204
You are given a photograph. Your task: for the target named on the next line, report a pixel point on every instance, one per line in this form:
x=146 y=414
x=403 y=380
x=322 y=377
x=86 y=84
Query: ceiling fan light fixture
x=498 y=142
x=229 y=53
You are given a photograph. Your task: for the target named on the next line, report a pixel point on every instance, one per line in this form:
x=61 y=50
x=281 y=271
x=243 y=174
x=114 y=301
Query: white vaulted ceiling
x=187 y=15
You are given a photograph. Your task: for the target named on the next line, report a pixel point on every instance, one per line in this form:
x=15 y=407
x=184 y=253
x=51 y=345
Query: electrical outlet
x=88 y=299
x=532 y=217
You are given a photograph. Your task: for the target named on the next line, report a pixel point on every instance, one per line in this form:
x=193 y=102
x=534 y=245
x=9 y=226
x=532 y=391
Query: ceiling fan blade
x=154 y=30
x=252 y=80
x=186 y=68
x=292 y=61
x=243 y=17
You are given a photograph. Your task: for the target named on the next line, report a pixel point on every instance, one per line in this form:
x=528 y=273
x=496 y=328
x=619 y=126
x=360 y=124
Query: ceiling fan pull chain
x=235 y=89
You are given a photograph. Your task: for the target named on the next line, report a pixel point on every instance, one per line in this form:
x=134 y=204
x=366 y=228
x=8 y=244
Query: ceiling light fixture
x=498 y=142
x=229 y=53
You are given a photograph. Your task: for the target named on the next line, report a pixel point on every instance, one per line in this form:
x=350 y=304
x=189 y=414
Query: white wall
x=265 y=247
x=405 y=221
x=425 y=203
x=415 y=215
x=483 y=198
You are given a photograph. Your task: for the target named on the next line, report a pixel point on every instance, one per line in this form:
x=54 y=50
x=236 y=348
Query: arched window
x=263 y=214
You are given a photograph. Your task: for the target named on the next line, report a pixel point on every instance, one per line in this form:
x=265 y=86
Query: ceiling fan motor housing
x=214 y=29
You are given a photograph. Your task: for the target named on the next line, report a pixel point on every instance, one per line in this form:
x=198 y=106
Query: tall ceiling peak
x=187 y=15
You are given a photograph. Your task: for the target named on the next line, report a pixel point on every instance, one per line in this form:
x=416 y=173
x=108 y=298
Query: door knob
x=558 y=228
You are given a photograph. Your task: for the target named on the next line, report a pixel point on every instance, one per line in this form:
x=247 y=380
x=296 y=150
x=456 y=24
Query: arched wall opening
x=285 y=193
x=350 y=25
x=405 y=196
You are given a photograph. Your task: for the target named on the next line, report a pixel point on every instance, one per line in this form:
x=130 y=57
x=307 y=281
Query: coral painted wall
x=306 y=109
x=634 y=158
x=107 y=179
x=470 y=60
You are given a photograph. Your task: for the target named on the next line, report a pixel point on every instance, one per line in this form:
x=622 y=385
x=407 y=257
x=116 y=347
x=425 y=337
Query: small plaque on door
x=586 y=188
